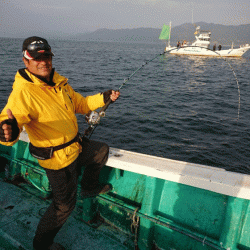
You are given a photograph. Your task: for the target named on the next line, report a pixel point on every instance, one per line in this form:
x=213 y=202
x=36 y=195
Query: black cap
x=35 y=46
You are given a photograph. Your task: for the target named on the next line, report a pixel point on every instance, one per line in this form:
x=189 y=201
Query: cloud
x=77 y=16
x=40 y=6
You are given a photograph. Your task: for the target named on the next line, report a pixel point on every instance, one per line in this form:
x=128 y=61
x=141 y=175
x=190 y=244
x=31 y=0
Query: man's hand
x=115 y=95
x=9 y=130
x=111 y=95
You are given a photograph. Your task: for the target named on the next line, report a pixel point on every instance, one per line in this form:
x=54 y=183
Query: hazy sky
x=23 y=17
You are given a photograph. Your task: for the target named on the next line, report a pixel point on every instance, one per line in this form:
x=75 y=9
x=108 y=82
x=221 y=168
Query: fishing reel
x=93 y=118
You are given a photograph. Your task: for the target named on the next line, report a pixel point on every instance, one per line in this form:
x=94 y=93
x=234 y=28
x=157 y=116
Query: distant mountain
x=146 y=35
x=223 y=34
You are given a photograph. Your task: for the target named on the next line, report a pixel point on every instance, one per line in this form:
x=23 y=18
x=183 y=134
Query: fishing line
x=93 y=118
x=236 y=79
x=144 y=64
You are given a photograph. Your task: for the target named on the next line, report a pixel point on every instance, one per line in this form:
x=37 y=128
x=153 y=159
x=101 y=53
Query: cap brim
x=27 y=55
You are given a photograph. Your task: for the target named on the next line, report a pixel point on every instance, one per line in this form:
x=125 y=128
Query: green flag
x=165 y=32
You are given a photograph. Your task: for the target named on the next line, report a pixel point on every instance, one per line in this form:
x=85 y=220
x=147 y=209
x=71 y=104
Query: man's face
x=42 y=66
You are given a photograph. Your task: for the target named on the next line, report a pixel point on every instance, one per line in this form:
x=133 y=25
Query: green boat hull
x=155 y=203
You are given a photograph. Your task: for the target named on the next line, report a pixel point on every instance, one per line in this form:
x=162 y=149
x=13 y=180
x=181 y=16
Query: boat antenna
x=93 y=118
x=192 y=16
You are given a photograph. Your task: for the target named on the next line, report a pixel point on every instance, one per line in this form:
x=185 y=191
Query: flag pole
x=169 y=34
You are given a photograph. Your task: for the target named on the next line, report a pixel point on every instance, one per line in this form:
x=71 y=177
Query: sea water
x=193 y=109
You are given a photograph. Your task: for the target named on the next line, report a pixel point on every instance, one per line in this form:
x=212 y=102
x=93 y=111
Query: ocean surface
x=193 y=109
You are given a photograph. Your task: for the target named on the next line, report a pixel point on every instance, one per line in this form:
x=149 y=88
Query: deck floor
x=20 y=212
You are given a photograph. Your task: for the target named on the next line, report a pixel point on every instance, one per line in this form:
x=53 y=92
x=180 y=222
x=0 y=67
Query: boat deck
x=20 y=212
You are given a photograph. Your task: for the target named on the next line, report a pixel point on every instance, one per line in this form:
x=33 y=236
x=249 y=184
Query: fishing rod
x=93 y=118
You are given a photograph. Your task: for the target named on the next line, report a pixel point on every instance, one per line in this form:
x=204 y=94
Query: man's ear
x=26 y=62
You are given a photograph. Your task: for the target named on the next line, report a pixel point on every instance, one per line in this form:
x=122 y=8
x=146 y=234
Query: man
x=45 y=104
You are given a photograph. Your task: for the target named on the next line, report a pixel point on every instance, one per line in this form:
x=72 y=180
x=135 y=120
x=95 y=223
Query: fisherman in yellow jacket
x=45 y=104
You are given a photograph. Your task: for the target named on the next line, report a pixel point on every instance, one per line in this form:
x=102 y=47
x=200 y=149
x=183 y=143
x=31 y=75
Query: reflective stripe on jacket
x=48 y=115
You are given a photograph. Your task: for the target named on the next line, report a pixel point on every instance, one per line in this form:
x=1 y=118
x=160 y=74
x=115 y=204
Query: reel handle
x=89 y=131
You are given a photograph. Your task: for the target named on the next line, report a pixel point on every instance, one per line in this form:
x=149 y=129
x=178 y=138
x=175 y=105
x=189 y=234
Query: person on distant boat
x=45 y=104
x=178 y=44
x=214 y=47
x=184 y=43
x=219 y=47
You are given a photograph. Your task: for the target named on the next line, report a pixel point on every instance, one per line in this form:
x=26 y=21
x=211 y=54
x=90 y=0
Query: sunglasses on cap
x=38 y=46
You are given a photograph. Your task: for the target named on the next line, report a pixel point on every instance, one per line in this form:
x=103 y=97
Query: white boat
x=200 y=47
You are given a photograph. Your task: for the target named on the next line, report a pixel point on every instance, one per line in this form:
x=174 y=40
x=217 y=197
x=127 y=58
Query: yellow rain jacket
x=48 y=114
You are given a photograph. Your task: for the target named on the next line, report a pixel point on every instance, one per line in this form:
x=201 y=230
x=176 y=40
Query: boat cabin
x=202 y=38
